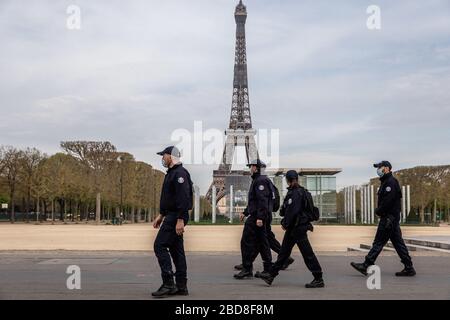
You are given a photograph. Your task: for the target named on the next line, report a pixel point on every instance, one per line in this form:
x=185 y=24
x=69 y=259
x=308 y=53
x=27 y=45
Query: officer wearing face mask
x=274 y=245
x=296 y=223
x=176 y=201
x=254 y=239
x=388 y=209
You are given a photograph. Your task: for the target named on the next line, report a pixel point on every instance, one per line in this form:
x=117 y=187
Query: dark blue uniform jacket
x=389 y=197
x=176 y=194
x=260 y=199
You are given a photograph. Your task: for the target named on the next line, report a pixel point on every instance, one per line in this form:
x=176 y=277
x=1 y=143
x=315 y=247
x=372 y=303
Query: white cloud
x=340 y=94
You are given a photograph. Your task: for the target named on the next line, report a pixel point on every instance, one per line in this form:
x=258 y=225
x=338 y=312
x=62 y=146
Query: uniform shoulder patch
x=261 y=187
x=388 y=189
x=290 y=201
x=180 y=180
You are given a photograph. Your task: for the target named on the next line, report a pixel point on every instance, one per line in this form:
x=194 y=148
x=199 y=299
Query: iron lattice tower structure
x=240 y=131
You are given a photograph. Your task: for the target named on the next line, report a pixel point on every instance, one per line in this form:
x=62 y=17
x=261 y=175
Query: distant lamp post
x=5 y=207
x=120 y=160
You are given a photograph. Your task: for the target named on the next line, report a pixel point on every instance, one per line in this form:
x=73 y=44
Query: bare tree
x=70 y=183
x=63 y=177
x=11 y=167
x=2 y=159
x=95 y=156
x=30 y=160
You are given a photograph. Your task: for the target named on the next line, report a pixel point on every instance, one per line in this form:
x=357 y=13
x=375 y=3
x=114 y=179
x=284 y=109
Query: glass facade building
x=320 y=182
x=323 y=190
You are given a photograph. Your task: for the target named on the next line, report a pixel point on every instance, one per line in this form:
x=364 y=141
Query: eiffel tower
x=240 y=131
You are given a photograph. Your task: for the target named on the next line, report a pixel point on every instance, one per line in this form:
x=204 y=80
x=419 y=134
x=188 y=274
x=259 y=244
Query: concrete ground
x=117 y=263
x=133 y=275
x=198 y=238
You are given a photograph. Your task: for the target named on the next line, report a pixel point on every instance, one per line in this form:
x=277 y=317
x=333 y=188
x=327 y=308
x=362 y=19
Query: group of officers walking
x=298 y=212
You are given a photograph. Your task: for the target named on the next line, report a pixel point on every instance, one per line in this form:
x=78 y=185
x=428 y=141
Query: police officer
x=274 y=245
x=176 y=201
x=254 y=236
x=388 y=209
x=296 y=223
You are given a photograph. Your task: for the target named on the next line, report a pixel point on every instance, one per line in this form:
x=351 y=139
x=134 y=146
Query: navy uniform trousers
x=274 y=244
x=299 y=237
x=252 y=235
x=170 y=245
x=389 y=229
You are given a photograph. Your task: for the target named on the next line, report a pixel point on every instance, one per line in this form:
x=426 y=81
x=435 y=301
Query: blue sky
x=341 y=95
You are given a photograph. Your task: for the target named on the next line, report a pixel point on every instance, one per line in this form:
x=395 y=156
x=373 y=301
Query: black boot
x=288 y=263
x=258 y=274
x=267 y=277
x=239 y=267
x=167 y=288
x=267 y=268
x=182 y=289
x=407 y=272
x=361 y=267
x=244 y=274
x=317 y=282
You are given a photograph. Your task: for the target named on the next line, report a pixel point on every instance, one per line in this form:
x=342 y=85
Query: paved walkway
x=133 y=275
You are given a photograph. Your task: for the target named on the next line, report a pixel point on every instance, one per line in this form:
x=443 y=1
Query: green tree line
x=86 y=181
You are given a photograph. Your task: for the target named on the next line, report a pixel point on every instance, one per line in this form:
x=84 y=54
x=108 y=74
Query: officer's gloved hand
x=377 y=212
x=389 y=222
x=282 y=224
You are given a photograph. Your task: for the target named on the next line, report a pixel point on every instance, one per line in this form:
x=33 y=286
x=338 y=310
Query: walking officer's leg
x=381 y=238
x=263 y=247
x=275 y=246
x=402 y=251
x=161 y=246
x=179 y=260
x=399 y=245
x=240 y=266
x=249 y=245
x=244 y=244
x=311 y=261
x=285 y=252
x=289 y=240
x=248 y=249
x=163 y=242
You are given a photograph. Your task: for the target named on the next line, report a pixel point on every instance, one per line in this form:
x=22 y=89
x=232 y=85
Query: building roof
x=305 y=171
x=282 y=171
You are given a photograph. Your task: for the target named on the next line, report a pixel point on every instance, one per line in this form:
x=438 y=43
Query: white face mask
x=380 y=172
x=164 y=164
